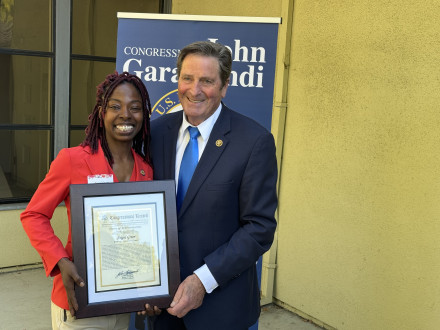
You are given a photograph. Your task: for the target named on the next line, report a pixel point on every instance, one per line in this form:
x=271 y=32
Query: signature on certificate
x=126 y=275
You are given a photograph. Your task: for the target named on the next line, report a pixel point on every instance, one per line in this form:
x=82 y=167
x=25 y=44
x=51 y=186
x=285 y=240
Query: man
x=226 y=219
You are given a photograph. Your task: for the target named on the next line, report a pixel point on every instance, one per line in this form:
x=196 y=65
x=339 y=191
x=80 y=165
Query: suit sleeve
x=257 y=202
x=36 y=218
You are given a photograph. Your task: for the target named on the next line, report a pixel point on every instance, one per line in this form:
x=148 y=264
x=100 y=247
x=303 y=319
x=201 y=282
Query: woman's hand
x=70 y=277
x=150 y=311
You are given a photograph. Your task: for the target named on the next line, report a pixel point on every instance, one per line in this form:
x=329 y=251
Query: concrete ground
x=25 y=304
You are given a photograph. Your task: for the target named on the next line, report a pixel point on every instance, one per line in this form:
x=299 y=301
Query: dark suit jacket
x=227 y=217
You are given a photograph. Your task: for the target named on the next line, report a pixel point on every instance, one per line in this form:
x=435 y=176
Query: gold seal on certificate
x=124 y=239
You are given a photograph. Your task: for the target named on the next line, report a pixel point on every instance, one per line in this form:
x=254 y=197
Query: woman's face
x=124 y=116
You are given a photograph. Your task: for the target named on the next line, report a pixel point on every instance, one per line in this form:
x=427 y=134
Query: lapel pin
x=142 y=172
x=219 y=143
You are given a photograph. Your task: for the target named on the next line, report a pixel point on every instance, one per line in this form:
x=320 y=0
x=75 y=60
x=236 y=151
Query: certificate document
x=125 y=244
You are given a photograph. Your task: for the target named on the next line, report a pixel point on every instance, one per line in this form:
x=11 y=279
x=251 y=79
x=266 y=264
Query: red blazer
x=71 y=166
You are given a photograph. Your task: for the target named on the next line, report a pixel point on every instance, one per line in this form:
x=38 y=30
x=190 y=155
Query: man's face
x=200 y=88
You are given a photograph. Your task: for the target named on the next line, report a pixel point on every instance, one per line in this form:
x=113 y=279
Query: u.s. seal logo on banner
x=166 y=104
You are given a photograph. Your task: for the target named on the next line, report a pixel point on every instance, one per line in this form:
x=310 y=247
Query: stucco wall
x=256 y=8
x=359 y=213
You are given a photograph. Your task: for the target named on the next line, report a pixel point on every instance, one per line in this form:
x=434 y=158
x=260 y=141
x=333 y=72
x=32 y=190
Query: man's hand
x=189 y=296
x=70 y=277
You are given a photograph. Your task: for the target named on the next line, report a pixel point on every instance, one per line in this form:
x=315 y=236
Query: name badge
x=100 y=178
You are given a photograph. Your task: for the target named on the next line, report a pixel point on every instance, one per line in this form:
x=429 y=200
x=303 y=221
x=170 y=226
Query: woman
x=117 y=145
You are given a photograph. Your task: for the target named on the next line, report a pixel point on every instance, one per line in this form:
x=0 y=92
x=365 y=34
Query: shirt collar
x=205 y=127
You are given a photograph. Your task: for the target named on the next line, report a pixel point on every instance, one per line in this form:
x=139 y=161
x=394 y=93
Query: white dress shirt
x=205 y=128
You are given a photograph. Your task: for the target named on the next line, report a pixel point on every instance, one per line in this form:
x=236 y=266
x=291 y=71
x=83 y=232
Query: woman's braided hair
x=95 y=131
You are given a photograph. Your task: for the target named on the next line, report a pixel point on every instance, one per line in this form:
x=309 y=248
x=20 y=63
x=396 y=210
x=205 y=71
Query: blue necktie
x=189 y=162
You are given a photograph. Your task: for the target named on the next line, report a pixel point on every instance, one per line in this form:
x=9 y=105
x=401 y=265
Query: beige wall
x=228 y=7
x=359 y=214
x=15 y=247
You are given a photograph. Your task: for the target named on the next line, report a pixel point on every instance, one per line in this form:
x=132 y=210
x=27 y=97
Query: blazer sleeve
x=36 y=218
x=257 y=205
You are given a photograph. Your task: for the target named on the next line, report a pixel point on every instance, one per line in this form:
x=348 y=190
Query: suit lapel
x=97 y=163
x=142 y=168
x=217 y=143
x=169 y=146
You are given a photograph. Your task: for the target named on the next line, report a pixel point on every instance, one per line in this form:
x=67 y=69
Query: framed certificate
x=124 y=241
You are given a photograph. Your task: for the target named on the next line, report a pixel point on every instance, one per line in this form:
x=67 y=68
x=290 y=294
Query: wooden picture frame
x=125 y=245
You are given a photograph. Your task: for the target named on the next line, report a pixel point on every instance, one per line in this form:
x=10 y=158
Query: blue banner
x=148 y=45
x=149 y=48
